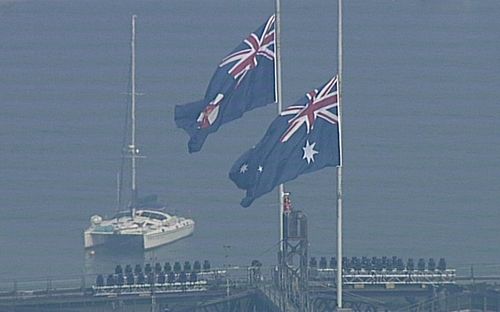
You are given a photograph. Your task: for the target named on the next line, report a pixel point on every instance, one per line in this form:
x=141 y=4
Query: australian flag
x=243 y=81
x=302 y=139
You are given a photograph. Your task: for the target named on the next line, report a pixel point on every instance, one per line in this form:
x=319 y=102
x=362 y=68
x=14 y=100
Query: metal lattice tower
x=293 y=263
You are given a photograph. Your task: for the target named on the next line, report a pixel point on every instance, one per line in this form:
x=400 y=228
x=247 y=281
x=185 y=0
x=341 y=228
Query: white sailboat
x=139 y=225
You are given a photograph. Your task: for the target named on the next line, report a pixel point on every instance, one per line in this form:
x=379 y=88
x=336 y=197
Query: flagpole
x=339 y=168
x=281 y=187
x=278 y=93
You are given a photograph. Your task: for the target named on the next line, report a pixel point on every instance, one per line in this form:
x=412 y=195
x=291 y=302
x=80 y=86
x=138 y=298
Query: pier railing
x=359 y=278
x=231 y=277
x=227 y=278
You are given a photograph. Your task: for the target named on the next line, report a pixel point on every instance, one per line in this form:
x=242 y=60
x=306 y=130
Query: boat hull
x=159 y=238
x=145 y=241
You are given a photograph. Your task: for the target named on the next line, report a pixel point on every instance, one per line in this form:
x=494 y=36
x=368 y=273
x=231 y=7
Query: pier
x=252 y=289
x=298 y=283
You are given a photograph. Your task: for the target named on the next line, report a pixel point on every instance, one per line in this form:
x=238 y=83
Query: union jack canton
x=258 y=45
x=318 y=106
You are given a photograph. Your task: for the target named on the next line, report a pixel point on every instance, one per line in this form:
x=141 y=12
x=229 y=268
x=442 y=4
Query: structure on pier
x=298 y=283
x=293 y=260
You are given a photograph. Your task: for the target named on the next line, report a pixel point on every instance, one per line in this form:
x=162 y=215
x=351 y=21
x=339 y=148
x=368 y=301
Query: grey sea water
x=421 y=129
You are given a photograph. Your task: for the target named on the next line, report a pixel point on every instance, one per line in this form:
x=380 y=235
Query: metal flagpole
x=339 y=168
x=278 y=93
x=277 y=87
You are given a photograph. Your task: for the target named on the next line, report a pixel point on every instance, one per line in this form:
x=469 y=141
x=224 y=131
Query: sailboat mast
x=339 y=168
x=132 y=147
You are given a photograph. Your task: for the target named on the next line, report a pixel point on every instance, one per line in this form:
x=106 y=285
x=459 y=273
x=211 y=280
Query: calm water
x=421 y=131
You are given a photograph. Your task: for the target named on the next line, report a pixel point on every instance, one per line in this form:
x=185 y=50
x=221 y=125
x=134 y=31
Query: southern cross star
x=244 y=168
x=309 y=152
x=260 y=169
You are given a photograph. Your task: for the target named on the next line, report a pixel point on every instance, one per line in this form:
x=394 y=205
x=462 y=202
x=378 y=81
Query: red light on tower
x=287 y=203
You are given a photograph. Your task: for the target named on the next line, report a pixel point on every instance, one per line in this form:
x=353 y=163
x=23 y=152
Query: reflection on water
x=104 y=259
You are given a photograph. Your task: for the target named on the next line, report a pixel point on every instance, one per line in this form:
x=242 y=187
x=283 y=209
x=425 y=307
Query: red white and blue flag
x=302 y=139
x=244 y=80
x=244 y=60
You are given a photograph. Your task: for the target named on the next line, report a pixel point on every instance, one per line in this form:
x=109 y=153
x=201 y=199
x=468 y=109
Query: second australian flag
x=302 y=139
